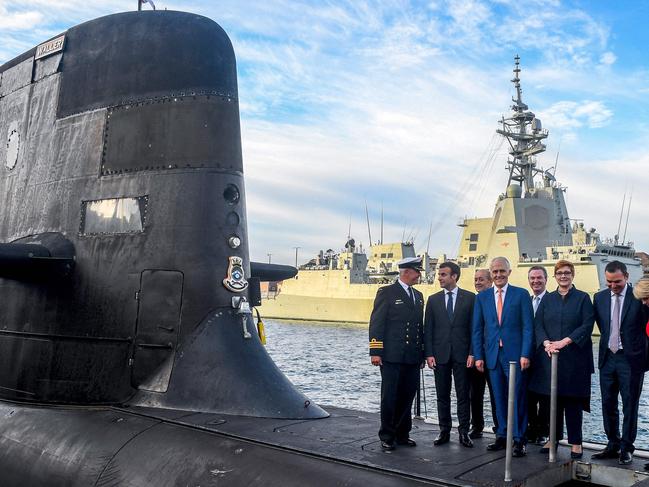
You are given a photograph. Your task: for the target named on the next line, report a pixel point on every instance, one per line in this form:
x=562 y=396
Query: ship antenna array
x=628 y=212
x=619 y=224
x=524 y=134
x=367 y=216
x=381 y=241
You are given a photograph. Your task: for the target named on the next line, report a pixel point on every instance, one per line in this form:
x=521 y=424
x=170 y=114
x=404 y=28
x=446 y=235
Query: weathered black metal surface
x=132 y=57
x=136 y=164
x=272 y=272
x=161 y=447
x=46 y=257
x=173 y=132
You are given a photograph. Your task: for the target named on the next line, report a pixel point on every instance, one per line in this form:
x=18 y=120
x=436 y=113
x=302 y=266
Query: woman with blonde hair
x=563 y=325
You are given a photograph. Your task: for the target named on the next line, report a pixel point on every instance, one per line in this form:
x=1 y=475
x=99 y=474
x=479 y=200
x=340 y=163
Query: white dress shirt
x=405 y=288
x=452 y=291
x=536 y=300
x=621 y=298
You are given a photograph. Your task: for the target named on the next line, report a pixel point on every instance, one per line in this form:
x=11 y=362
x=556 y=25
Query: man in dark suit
x=480 y=380
x=622 y=354
x=538 y=405
x=447 y=347
x=503 y=331
x=396 y=345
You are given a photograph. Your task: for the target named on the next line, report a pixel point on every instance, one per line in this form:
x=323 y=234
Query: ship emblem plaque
x=235 y=281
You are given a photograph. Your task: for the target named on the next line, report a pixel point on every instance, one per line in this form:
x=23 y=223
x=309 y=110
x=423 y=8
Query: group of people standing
x=470 y=339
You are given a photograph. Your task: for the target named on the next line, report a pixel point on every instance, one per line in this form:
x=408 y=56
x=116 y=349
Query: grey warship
x=128 y=351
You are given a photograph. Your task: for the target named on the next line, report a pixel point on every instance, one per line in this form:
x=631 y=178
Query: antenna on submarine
x=142 y=2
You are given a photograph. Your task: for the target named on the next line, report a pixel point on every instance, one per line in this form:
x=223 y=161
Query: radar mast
x=524 y=133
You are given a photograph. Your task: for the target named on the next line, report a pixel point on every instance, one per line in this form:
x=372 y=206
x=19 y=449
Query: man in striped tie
x=503 y=329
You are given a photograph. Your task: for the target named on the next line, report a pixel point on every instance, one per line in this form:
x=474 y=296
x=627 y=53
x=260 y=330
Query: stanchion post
x=553 y=407
x=418 y=403
x=510 y=420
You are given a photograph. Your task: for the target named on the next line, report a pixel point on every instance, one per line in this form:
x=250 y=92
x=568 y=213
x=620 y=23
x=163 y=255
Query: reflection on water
x=329 y=362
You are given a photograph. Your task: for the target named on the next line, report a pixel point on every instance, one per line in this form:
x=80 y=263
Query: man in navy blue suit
x=621 y=360
x=503 y=329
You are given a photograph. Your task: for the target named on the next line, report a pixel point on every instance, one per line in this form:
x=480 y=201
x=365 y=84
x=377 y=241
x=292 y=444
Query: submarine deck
x=350 y=437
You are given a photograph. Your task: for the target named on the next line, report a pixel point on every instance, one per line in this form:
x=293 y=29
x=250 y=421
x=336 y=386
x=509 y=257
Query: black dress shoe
x=606 y=453
x=499 y=444
x=541 y=440
x=465 y=440
x=406 y=442
x=626 y=457
x=387 y=446
x=519 y=449
x=474 y=434
x=444 y=437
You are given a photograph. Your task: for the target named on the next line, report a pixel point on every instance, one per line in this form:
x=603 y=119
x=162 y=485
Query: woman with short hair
x=563 y=324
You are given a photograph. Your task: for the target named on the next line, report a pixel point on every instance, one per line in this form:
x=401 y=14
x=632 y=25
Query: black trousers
x=478 y=382
x=399 y=384
x=460 y=374
x=538 y=415
x=616 y=378
x=572 y=408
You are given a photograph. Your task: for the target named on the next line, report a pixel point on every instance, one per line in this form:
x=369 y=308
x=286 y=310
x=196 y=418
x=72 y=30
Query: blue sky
x=397 y=102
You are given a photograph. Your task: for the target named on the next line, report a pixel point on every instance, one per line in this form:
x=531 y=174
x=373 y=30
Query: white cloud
x=570 y=115
x=19 y=20
x=607 y=58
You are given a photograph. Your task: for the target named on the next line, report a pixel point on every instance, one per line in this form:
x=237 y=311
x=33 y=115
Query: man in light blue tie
x=538 y=405
x=503 y=329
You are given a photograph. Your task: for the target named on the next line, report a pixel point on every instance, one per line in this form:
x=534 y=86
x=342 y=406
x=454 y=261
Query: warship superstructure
x=529 y=225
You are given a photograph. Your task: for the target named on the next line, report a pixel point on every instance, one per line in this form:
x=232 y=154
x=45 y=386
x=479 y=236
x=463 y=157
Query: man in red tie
x=503 y=329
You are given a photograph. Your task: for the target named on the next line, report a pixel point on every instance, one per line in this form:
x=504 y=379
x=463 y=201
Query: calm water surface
x=329 y=362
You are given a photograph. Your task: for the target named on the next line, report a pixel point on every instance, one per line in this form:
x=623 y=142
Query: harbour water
x=329 y=362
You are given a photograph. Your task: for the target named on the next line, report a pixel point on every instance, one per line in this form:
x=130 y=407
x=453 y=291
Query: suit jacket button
x=407 y=342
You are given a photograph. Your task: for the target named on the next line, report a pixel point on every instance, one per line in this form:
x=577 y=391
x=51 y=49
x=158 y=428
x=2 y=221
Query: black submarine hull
x=118 y=447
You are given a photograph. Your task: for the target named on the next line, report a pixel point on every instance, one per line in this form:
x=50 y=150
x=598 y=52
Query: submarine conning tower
x=124 y=268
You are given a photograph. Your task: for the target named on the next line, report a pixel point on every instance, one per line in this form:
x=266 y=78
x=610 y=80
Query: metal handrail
x=553 y=406
x=510 y=421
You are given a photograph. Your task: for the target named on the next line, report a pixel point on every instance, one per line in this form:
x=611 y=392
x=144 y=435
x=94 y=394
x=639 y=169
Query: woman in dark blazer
x=563 y=325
